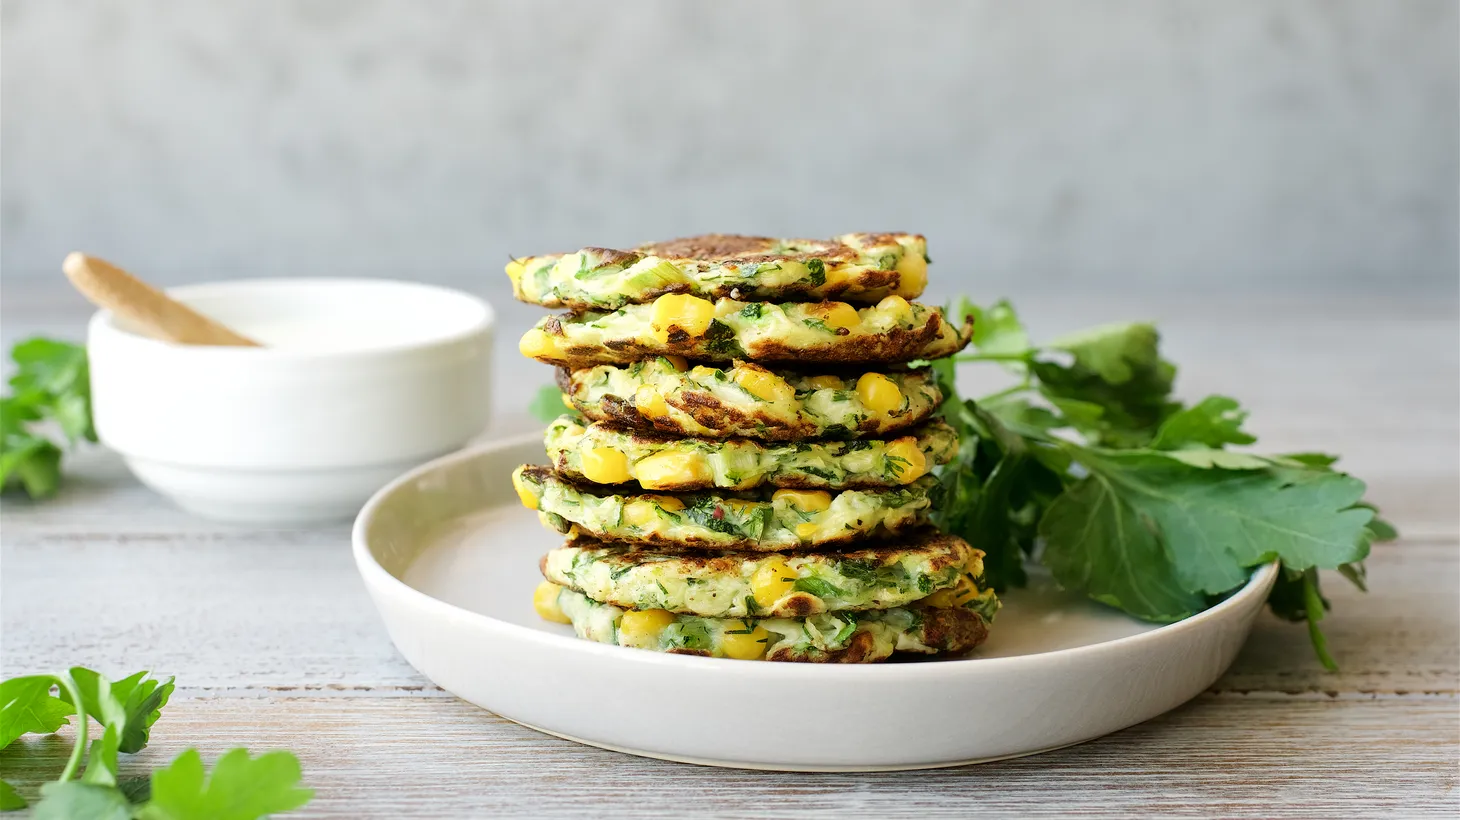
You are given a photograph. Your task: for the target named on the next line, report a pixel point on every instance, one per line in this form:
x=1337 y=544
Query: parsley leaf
x=52 y=383
x=819 y=587
x=239 y=788
x=10 y=799
x=548 y=404
x=69 y=799
x=27 y=706
x=997 y=330
x=1116 y=388
x=720 y=339
x=1138 y=502
x=817 y=270
x=131 y=704
x=1214 y=421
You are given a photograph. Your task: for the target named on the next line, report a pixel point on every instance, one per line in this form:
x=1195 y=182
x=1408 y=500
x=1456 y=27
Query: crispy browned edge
x=942 y=551
x=948 y=631
x=540 y=474
x=790 y=482
x=894 y=346
x=726 y=420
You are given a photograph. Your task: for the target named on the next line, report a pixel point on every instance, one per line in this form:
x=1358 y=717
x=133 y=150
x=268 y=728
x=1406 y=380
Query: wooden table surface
x=275 y=645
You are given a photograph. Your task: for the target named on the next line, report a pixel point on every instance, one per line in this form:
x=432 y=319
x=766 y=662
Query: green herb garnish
x=720 y=339
x=819 y=587
x=51 y=385
x=817 y=269
x=239 y=787
x=1090 y=466
x=548 y=404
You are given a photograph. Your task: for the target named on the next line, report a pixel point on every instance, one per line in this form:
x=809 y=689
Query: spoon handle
x=152 y=312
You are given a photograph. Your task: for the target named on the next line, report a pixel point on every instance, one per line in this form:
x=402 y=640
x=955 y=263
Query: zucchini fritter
x=892 y=331
x=749 y=400
x=740 y=584
x=857 y=267
x=758 y=520
x=832 y=637
x=610 y=454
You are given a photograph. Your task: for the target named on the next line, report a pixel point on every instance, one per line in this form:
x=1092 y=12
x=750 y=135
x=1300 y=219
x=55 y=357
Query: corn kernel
x=906 y=449
x=637 y=513
x=671 y=469
x=545 y=601
x=772 y=581
x=805 y=531
x=642 y=627
x=746 y=643
x=605 y=465
x=942 y=599
x=524 y=491
x=878 y=393
x=762 y=383
x=648 y=402
x=897 y=307
x=567 y=401
x=678 y=361
x=825 y=382
x=514 y=272
x=669 y=502
x=536 y=343
x=804 y=500
x=958 y=595
x=702 y=373
x=912 y=272
x=688 y=313
x=839 y=315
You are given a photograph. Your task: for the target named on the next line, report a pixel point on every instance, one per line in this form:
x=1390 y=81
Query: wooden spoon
x=152 y=312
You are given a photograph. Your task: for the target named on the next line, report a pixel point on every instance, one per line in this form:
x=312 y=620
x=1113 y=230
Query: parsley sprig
x=240 y=787
x=51 y=387
x=1090 y=466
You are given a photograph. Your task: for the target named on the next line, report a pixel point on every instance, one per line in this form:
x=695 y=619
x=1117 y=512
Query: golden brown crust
x=860 y=649
x=952 y=630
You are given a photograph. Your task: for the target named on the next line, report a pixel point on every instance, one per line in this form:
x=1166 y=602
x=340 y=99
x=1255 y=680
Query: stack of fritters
x=745 y=474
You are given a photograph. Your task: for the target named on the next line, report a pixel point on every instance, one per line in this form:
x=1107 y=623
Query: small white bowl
x=358 y=380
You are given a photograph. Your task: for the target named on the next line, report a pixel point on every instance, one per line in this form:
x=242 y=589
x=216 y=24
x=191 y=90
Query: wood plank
x=1222 y=755
x=1401 y=637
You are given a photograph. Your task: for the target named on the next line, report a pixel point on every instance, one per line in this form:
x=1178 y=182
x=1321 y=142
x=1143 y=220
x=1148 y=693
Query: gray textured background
x=1297 y=145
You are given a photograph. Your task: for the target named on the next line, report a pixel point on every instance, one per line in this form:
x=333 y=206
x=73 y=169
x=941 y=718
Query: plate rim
x=379 y=578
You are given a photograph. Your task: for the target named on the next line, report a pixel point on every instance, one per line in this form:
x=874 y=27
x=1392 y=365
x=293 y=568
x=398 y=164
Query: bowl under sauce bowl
x=357 y=381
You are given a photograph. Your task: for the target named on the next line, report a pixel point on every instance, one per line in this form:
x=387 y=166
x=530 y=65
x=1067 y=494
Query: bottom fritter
x=833 y=637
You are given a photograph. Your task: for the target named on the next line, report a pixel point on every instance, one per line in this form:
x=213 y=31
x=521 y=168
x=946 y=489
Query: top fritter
x=855 y=267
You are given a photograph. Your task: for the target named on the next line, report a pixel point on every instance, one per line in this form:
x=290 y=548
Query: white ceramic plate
x=450 y=558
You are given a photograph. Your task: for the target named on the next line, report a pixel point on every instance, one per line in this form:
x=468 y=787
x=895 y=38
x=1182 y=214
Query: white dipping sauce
x=335 y=316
